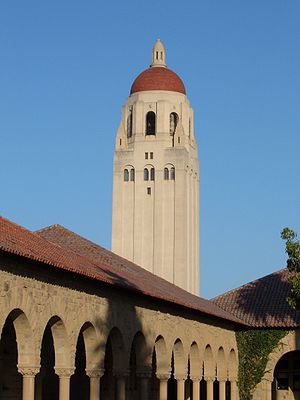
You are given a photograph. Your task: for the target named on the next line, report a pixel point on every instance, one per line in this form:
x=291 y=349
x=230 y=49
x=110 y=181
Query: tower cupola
x=158 y=55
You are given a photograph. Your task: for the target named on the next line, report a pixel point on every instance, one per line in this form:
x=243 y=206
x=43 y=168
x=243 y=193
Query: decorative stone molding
x=95 y=373
x=180 y=377
x=64 y=372
x=209 y=378
x=195 y=378
x=28 y=371
x=163 y=377
x=144 y=374
x=119 y=374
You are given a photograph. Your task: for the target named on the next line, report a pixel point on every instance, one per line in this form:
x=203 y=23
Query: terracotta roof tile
x=262 y=303
x=61 y=248
x=158 y=78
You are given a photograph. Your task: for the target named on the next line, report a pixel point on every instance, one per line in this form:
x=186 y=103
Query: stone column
x=233 y=390
x=64 y=375
x=209 y=388
x=268 y=389
x=180 y=386
x=121 y=385
x=144 y=377
x=196 y=387
x=28 y=374
x=222 y=390
x=95 y=376
x=163 y=386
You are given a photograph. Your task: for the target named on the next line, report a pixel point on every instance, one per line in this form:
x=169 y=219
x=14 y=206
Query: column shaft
x=196 y=389
x=121 y=392
x=144 y=388
x=222 y=390
x=233 y=390
x=210 y=390
x=64 y=388
x=163 y=389
x=28 y=387
x=94 y=388
x=180 y=389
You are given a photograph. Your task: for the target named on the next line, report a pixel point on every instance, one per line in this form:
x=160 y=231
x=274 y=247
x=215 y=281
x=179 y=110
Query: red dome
x=158 y=78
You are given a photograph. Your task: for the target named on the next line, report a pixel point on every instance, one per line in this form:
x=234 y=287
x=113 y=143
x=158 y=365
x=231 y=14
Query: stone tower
x=155 y=220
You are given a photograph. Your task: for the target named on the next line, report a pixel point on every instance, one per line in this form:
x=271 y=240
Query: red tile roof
x=63 y=249
x=262 y=303
x=158 y=78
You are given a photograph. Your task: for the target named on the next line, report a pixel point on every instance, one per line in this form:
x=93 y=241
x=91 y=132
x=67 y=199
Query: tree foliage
x=292 y=248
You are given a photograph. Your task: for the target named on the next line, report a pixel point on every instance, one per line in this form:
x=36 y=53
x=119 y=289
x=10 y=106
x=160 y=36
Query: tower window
x=172 y=173
x=148 y=190
x=173 y=122
x=157 y=55
x=129 y=122
x=146 y=156
x=146 y=174
x=150 y=123
x=152 y=174
x=166 y=174
x=126 y=175
x=151 y=155
x=132 y=174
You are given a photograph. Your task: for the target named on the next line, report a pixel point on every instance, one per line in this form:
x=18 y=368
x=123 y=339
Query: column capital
x=121 y=374
x=64 y=372
x=144 y=372
x=180 y=377
x=95 y=373
x=209 y=378
x=195 y=378
x=163 y=376
x=28 y=370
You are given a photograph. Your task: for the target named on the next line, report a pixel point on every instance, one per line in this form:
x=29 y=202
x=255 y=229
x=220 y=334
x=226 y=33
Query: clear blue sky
x=66 y=68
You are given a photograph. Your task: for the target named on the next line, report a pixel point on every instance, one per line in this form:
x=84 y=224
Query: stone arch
x=24 y=337
x=291 y=342
x=232 y=366
x=208 y=363
x=221 y=365
x=195 y=361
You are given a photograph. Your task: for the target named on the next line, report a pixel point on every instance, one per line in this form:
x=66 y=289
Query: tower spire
x=158 y=55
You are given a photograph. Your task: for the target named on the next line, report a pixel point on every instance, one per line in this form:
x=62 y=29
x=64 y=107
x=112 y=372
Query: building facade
x=156 y=178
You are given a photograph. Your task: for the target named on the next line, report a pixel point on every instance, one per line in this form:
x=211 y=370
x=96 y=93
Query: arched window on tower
x=146 y=174
x=152 y=174
x=150 y=123
x=129 y=122
x=172 y=174
x=166 y=174
x=173 y=122
x=126 y=175
x=132 y=174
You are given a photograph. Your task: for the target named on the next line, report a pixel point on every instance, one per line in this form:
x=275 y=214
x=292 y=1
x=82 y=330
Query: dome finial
x=158 y=55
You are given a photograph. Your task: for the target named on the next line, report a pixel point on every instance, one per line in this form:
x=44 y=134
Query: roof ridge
x=47 y=228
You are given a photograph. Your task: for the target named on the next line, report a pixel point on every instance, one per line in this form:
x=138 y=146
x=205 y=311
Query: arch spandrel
x=196 y=362
x=221 y=365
